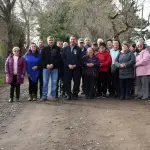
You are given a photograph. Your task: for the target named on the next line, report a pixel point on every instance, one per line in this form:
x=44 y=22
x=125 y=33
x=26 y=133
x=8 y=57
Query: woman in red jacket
x=105 y=62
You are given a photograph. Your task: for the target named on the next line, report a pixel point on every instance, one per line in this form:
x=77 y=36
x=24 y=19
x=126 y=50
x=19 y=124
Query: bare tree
x=124 y=17
x=28 y=9
x=6 y=8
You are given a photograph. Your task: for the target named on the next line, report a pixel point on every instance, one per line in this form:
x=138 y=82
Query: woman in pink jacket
x=143 y=71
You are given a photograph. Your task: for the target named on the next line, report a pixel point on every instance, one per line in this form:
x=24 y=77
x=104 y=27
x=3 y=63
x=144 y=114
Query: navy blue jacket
x=72 y=58
x=83 y=51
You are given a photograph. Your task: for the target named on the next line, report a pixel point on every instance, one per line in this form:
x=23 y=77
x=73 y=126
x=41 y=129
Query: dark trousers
x=74 y=74
x=89 y=85
x=115 y=84
x=82 y=77
x=102 y=83
x=125 y=87
x=40 y=82
x=133 y=87
x=60 y=82
x=33 y=87
x=14 y=86
x=109 y=84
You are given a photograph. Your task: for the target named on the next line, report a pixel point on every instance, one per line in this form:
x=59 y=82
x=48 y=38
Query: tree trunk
x=28 y=35
x=9 y=37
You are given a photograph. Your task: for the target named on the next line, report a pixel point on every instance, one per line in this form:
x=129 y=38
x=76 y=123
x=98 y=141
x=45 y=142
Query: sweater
x=114 y=54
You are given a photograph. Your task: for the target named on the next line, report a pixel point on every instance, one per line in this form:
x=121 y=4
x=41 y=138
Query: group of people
x=102 y=69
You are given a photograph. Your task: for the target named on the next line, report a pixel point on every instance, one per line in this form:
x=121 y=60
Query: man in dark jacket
x=50 y=61
x=72 y=63
x=40 y=47
x=60 y=81
x=83 y=53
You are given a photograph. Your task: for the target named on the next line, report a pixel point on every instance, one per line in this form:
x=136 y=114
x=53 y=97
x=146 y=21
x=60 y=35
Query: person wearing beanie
x=105 y=61
x=125 y=61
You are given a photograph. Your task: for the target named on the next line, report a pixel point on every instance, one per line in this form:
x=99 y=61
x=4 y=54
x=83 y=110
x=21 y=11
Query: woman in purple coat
x=90 y=65
x=15 y=68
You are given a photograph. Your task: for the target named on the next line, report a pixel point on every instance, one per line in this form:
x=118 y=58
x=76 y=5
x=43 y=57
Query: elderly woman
x=142 y=71
x=90 y=71
x=125 y=62
x=15 y=69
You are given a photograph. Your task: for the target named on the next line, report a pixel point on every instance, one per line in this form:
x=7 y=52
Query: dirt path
x=75 y=125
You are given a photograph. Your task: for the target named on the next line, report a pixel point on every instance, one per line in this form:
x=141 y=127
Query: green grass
x=2 y=78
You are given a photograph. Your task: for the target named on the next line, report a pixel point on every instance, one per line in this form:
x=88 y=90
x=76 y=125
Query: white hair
x=99 y=39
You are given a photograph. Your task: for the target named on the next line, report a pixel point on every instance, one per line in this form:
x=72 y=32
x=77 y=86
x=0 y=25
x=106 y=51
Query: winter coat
x=105 y=60
x=143 y=63
x=31 y=61
x=127 y=58
x=72 y=57
x=21 y=69
x=90 y=71
x=50 y=55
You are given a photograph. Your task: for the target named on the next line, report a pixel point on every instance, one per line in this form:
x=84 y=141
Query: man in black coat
x=72 y=64
x=50 y=62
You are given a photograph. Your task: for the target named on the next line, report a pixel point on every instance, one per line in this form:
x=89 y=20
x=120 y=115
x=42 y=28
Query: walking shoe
x=144 y=98
x=34 y=97
x=10 y=100
x=103 y=95
x=82 y=93
x=121 y=98
x=30 y=98
x=68 y=97
x=127 y=98
x=138 y=97
x=43 y=99
x=17 y=100
x=74 y=96
x=52 y=99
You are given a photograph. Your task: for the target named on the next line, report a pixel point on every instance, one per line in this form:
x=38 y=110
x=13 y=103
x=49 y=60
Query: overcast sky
x=146 y=8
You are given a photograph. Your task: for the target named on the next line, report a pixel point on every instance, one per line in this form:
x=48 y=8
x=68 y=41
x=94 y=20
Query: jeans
x=54 y=77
